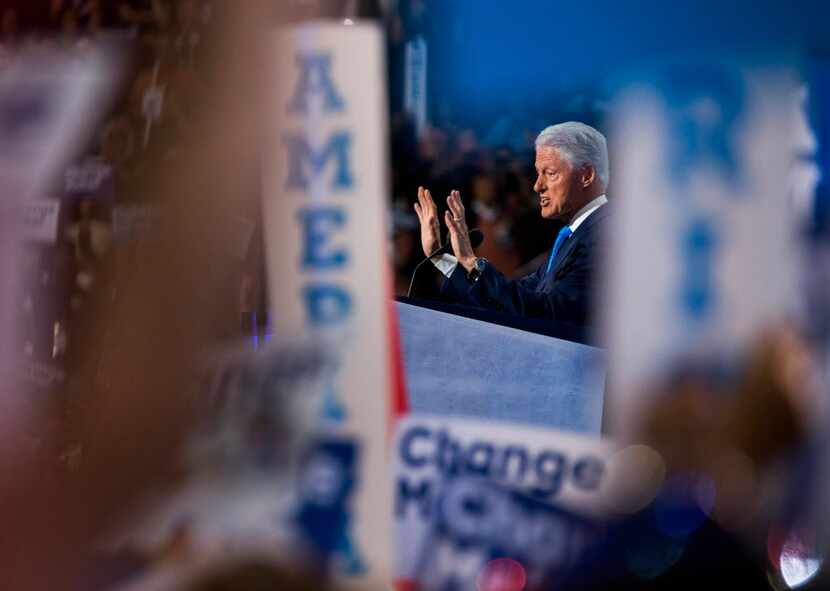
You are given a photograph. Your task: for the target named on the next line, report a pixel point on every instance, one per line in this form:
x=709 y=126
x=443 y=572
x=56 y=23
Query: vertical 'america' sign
x=324 y=176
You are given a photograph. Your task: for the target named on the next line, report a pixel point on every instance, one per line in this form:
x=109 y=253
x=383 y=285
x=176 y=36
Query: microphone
x=476 y=238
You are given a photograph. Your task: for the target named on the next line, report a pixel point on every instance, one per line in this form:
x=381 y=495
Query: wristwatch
x=478 y=268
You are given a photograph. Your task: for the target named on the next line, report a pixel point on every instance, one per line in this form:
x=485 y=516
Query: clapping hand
x=428 y=217
x=459 y=234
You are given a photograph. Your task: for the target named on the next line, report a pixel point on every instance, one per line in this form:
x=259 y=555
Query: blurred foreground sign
x=49 y=104
x=324 y=179
x=705 y=251
x=468 y=492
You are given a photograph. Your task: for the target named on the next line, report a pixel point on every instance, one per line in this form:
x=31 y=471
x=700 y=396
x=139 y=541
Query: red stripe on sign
x=399 y=399
x=405 y=585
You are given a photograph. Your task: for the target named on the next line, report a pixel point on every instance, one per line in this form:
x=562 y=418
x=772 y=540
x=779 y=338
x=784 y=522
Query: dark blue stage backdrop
x=491 y=58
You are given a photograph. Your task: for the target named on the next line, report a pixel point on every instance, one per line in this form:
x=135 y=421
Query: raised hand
x=428 y=217
x=459 y=234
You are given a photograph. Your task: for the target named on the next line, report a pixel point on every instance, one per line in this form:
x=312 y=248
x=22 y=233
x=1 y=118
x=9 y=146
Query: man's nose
x=537 y=186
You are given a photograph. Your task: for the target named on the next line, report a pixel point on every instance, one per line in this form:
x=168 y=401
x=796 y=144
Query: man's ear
x=589 y=175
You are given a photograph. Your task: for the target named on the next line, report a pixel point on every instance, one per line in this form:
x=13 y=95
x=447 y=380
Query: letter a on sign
x=324 y=202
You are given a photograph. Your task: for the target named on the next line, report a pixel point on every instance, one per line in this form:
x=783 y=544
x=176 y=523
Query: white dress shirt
x=447 y=263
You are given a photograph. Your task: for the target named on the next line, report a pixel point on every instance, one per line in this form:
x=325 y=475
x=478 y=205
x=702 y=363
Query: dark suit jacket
x=565 y=294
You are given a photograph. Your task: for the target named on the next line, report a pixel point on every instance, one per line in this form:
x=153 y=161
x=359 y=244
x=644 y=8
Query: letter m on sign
x=304 y=160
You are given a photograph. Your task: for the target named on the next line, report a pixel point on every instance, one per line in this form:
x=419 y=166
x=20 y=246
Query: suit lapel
x=582 y=233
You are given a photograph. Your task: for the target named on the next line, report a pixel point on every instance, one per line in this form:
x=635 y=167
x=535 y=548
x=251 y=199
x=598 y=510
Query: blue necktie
x=563 y=235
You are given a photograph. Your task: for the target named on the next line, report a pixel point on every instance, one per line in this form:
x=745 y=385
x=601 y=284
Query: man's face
x=557 y=184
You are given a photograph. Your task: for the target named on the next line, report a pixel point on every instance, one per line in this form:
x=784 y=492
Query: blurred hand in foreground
x=134 y=377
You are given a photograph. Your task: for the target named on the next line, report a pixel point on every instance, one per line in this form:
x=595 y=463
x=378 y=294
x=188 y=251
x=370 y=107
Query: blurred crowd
x=100 y=194
x=168 y=25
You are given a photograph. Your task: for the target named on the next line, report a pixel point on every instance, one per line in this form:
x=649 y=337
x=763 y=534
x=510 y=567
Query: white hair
x=580 y=145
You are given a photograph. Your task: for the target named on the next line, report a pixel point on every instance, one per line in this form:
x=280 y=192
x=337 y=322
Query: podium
x=475 y=364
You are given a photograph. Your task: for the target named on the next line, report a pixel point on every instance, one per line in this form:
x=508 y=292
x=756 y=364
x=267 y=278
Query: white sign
x=325 y=200
x=49 y=103
x=87 y=177
x=415 y=82
x=40 y=219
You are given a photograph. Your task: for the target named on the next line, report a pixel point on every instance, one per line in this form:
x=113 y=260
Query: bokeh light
x=635 y=475
x=501 y=574
x=795 y=555
x=650 y=554
x=684 y=503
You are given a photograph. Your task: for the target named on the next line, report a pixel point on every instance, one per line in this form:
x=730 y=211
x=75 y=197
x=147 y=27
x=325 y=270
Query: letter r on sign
x=301 y=153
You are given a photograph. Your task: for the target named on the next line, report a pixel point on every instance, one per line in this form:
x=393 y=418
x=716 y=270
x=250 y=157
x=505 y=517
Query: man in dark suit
x=572 y=174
